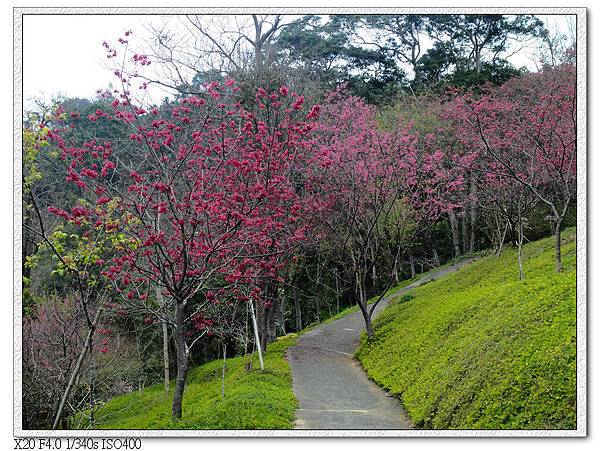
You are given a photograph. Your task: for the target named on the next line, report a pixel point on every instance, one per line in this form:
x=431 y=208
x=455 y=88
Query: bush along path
x=332 y=389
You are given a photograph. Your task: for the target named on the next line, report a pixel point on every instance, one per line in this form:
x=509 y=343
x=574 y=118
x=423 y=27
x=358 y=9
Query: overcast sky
x=63 y=54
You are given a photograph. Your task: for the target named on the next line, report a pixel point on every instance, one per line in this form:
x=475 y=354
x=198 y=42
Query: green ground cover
x=481 y=349
x=475 y=349
x=253 y=399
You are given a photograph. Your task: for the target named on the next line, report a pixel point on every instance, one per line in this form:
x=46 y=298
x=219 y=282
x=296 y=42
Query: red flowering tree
x=204 y=196
x=385 y=188
x=525 y=130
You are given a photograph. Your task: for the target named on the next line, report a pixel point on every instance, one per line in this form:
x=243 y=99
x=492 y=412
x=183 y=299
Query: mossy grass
x=253 y=399
x=480 y=349
x=474 y=349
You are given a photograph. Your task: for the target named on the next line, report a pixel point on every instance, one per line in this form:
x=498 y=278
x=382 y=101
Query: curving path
x=332 y=389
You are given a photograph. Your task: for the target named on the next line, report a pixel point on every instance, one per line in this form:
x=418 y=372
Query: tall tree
x=327 y=51
x=480 y=37
x=385 y=188
x=206 y=203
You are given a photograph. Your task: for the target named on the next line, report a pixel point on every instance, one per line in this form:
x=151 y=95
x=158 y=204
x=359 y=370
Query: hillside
x=474 y=349
x=480 y=349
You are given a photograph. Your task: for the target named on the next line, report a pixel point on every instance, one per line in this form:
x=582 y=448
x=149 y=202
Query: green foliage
x=495 y=73
x=253 y=399
x=480 y=349
x=405 y=298
x=33 y=142
x=327 y=52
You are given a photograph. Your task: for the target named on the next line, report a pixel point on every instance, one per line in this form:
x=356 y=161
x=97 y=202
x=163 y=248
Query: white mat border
x=581 y=431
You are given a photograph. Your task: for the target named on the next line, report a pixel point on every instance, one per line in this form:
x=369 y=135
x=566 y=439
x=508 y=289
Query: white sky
x=62 y=54
x=70 y=59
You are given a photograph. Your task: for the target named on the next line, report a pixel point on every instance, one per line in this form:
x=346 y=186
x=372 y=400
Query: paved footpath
x=332 y=389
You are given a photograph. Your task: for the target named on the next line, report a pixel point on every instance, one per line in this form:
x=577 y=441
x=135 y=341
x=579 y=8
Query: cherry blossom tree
x=525 y=130
x=384 y=187
x=204 y=196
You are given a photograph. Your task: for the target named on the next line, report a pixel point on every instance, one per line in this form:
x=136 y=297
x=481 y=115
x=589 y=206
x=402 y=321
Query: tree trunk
x=359 y=289
x=557 y=237
x=465 y=233
x=281 y=315
x=373 y=269
x=246 y=331
x=271 y=331
x=513 y=232
x=436 y=257
x=92 y=401
x=256 y=337
x=362 y=301
x=362 y=304
x=297 y=308
x=165 y=334
x=520 y=248
x=258 y=55
x=263 y=322
x=473 y=193
x=266 y=315
x=317 y=283
x=182 y=362
x=368 y=324
x=411 y=261
x=337 y=293
x=501 y=244
x=224 y=370
x=454 y=233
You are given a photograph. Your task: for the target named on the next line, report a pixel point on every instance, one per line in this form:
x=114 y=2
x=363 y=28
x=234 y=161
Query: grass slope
x=481 y=349
x=253 y=400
